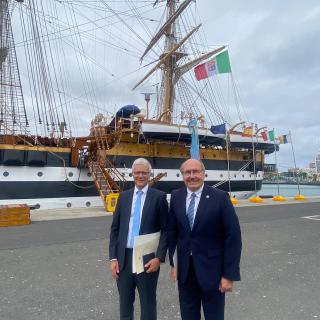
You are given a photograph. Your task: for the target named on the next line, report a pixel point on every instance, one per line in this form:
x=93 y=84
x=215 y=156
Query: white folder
x=143 y=245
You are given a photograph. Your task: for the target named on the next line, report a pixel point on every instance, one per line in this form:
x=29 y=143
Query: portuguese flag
x=219 y=64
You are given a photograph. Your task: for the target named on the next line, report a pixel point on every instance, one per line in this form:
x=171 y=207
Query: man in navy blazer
x=140 y=210
x=204 y=230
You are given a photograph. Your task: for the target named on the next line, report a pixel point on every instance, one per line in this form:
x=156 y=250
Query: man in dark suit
x=204 y=228
x=140 y=210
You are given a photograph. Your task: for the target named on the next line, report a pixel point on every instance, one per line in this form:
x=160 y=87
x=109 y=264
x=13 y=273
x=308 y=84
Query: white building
x=318 y=163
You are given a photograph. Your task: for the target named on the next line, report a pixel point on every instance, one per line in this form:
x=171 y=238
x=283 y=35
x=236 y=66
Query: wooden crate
x=14 y=215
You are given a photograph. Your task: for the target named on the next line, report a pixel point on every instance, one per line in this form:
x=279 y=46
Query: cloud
x=275 y=47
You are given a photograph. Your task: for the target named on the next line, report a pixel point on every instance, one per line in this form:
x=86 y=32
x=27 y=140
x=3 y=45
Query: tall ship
x=45 y=164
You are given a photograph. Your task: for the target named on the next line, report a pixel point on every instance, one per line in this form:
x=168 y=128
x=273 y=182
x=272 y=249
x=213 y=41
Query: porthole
x=243 y=176
x=206 y=175
x=221 y=175
x=88 y=204
x=234 y=175
x=178 y=174
x=89 y=174
x=40 y=174
x=69 y=205
x=37 y=206
x=6 y=174
x=130 y=174
x=70 y=174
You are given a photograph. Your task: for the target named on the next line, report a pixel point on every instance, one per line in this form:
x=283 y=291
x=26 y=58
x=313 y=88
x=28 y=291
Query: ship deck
x=57 y=269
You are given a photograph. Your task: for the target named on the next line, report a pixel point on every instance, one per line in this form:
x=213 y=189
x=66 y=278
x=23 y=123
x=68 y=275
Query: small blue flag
x=219 y=129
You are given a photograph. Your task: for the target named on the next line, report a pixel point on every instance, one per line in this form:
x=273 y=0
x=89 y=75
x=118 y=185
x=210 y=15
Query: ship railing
x=102 y=181
x=116 y=174
x=245 y=166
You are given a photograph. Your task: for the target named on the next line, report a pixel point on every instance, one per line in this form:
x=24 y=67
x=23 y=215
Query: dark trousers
x=191 y=296
x=146 y=283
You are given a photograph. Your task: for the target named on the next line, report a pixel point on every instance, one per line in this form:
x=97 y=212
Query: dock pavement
x=56 y=268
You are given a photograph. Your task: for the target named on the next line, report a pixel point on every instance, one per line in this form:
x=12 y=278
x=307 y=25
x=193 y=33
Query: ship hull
x=69 y=187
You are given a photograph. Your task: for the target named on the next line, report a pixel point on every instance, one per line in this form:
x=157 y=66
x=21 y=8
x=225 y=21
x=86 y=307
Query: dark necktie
x=190 y=212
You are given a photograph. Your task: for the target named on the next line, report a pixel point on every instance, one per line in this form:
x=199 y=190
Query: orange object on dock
x=14 y=215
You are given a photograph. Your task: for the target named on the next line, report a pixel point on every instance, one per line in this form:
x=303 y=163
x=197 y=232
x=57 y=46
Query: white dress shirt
x=196 y=200
x=143 y=198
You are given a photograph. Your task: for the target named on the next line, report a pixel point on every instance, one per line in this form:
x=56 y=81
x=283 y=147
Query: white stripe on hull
x=34 y=174
x=85 y=202
x=58 y=203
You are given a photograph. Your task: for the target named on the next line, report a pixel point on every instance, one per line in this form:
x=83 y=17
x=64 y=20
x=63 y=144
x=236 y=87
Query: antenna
x=147 y=98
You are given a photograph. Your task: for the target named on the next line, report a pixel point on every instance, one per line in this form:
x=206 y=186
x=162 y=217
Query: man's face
x=193 y=174
x=141 y=175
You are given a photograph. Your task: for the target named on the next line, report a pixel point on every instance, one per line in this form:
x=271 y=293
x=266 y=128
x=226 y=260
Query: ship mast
x=169 y=60
x=13 y=117
x=169 y=66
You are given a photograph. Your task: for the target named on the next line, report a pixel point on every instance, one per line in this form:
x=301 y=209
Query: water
x=288 y=190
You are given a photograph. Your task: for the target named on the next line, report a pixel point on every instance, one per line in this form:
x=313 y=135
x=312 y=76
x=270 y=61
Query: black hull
x=45 y=159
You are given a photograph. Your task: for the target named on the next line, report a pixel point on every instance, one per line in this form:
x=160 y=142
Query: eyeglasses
x=188 y=173
x=141 y=173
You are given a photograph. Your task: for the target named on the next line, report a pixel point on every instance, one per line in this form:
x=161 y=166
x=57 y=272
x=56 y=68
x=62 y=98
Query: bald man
x=204 y=229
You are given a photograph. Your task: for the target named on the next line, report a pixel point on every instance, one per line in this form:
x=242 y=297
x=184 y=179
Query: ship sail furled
x=164 y=29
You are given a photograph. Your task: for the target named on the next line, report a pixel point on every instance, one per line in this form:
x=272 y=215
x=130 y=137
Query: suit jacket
x=154 y=219
x=215 y=239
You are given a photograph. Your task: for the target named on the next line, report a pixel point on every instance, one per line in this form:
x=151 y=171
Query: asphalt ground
x=57 y=269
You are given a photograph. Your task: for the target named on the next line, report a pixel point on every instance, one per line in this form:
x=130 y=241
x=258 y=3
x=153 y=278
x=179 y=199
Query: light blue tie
x=136 y=218
x=190 y=212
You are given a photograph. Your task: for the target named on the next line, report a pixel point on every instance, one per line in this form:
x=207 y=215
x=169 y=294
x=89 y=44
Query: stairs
x=107 y=180
x=157 y=178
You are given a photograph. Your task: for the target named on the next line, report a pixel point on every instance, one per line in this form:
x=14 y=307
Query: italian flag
x=219 y=64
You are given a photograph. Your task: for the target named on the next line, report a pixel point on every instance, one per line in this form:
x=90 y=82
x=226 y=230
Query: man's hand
x=153 y=265
x=114 y=267
x=225 y=285
x=173 y=274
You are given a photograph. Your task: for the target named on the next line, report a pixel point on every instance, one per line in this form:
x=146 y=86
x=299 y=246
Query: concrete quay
x=73 y=213
x=57 y=270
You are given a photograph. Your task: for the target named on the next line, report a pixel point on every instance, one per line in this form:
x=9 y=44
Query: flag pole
x=276 y=162
x=228 y=160
x=295 y=164
x=254 y=159
x=255 y=198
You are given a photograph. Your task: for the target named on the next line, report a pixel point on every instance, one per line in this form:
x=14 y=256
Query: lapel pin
x=207 y=196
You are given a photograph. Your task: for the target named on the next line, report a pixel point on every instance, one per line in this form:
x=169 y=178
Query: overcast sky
x=274 y=47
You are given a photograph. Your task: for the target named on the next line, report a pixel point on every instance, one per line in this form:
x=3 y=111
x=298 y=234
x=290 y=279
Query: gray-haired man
x=140 y=210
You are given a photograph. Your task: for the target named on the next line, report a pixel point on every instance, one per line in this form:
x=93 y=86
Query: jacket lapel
x=127 y=208
x=184 y=194
x=205 y=196
x=145 y=209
